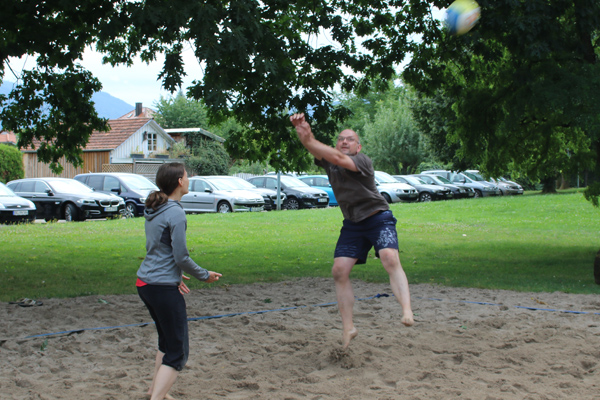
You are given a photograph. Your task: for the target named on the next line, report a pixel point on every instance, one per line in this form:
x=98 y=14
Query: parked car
x=320 y=182
x=13 y=208
x=68 y=199
x=299 y=194
x=508 y=187
x=394 y=191
x=269 y=195
x=426 y=192
x=212 y=194
x=458 y=191
x=481 y=189
x=132 y=188
x=476 y=177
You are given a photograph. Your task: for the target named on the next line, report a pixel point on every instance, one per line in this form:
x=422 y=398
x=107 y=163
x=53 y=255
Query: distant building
x=129 y=139
x=179 y=134
x=7 y=137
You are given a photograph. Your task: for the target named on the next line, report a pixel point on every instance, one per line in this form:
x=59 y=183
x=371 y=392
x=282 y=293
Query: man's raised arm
x=317 y=149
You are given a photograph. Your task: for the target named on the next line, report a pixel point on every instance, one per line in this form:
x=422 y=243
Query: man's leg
x=391 y=262
x=342 y=266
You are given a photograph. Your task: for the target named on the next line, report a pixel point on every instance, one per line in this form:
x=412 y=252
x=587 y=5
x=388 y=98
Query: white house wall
x=136 y=143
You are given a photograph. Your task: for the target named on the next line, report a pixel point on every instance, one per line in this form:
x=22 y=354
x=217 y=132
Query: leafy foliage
x=260 y=59
x=179 y=112
x=11 y=163
x=520 y=92
x=209 y=158
x=388 y=132
x=592 y=194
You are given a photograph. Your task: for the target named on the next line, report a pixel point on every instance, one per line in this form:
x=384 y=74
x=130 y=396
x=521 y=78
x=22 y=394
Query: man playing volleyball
x=368 y=221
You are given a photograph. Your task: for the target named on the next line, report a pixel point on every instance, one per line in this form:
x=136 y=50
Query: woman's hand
x=213 y=276
x=183 y=289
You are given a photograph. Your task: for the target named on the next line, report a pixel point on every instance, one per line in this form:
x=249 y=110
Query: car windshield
x=441 y=179
x=474 y=176
x=69 y=186
x=413 y=180
x=137 y=182
x=223 y=183
x=290 y=181
x=5 y=191
x=239 y=183
x=382 y=177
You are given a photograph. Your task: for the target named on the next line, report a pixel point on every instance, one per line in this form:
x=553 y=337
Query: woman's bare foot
x=167 y=396
x=348 y=336
x=408 y=319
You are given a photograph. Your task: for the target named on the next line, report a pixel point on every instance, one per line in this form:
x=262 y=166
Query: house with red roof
x=132 y=137
x=7 y=137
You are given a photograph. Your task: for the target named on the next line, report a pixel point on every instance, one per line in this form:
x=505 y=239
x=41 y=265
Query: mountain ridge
x=106 y=105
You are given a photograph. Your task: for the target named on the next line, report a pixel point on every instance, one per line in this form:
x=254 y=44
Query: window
x=96 y=181
x=152 y=142
x=271 y=184
x=110 y=183
x=41 y=187
x=321 y=182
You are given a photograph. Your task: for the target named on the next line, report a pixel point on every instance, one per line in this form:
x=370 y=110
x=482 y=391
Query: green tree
x=391 y=136
x=521 y=91
x=260 y=59
x=180 y=112
x=11 y=163
x=209 y=158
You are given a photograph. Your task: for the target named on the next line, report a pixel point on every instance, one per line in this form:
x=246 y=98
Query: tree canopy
x=521 y=89
x=261 y=59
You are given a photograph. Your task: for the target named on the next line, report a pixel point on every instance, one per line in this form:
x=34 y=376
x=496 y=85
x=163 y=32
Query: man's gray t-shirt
x=356 y=192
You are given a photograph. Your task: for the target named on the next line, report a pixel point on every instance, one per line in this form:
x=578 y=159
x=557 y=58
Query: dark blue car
x=133 y=188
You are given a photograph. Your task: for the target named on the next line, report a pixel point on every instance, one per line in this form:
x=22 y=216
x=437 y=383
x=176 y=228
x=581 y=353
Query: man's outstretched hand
x=302 y=127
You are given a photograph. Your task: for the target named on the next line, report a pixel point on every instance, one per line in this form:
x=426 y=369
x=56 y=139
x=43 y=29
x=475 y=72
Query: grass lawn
x=525 y=243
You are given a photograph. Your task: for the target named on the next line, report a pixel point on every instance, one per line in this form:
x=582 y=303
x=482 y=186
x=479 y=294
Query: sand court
x=283 y=341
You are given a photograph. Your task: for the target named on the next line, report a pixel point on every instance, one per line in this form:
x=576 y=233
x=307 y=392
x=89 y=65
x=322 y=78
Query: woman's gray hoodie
x=166 y=249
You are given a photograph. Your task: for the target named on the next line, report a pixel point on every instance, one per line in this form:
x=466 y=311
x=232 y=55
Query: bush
x=209 y=159
x=11 y=163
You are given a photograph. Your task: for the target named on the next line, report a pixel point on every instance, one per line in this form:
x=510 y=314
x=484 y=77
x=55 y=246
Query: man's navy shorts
x=357 y=238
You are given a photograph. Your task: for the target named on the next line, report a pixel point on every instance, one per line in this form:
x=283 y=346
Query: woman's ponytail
x=167 y=180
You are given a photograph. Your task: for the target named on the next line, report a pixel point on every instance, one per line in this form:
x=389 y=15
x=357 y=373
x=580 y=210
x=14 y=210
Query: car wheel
x=293 y=204
x=223 y=207
x=387 y=197
x=478 y=193
x=70 y=213
x=424 y=197
x=130 y=210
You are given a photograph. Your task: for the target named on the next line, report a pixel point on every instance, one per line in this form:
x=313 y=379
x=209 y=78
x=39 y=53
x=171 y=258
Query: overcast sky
x=139 y=84
x=136 y=84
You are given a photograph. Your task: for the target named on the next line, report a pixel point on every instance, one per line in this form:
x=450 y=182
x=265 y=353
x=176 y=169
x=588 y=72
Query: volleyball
x=461 y=16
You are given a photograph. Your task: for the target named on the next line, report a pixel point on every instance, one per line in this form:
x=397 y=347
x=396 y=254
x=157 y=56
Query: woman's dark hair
x=167 y=180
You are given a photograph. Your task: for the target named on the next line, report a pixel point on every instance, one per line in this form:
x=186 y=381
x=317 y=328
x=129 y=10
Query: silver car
x=269 y=195
x=211 y=194
x=394 y=191
x=507 y=187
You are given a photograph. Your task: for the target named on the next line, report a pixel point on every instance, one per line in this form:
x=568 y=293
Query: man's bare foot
x=408 y=319
x=347 y=337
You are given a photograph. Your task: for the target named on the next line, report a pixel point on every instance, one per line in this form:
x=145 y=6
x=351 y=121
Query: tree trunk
x=549 y=185
x=597 y=268
x=564 y=183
